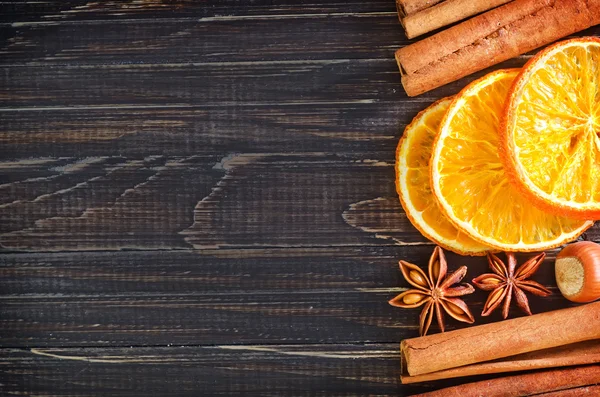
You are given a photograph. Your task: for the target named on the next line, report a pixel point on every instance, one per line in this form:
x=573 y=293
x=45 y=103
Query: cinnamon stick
x=576 y=392
x=490 y=38
x=525 y=385
x=570 y=355
x=493 y=341
x=408 y=7
x=445 y=13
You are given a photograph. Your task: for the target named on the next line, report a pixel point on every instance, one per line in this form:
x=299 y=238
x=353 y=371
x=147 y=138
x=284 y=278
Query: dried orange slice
x=470 y=184
x=412 y=183
x=551 y=129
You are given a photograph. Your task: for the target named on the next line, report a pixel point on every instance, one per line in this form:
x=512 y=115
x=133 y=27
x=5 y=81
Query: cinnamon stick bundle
x=490 y=38
x=554 y=383
x=445 y=13
x=493 y=341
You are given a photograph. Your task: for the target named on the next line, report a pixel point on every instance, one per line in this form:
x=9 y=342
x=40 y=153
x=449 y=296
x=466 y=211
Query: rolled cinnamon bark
x=576 y=392
x=525 y=385
x=487 y=342
x=490 y=38
x=407 y=7
x=445 y=13
x=581 y=353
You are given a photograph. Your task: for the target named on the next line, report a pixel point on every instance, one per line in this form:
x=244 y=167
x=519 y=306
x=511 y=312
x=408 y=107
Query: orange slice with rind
x=412 y=183
x=551 y=129
x=469 y=181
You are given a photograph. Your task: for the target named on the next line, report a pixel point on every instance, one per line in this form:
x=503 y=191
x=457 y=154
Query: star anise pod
x=505 y=282
x=435 y=292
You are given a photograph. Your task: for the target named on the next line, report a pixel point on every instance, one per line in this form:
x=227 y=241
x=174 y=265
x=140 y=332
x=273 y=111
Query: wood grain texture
x=135 y=132
x=209 y=86
x=224 y=296
x=216 y=39
x=196 y=201
x=227 y=296
x=82 y=10
x=266 y=370
x=198 y=198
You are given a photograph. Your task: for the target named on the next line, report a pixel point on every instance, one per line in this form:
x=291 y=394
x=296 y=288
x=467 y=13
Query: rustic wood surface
x=197 y=198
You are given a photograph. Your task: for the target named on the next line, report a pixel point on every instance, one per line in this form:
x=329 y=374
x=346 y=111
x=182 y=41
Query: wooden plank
x=371 y=129
x=94 y=203
x=265 y=370
x=249 y=317
x=82 y=10
x=198 y=201
x=218 y=39
x=222 y=271
x=208 y=85
x=211 y=85
x=319 y=295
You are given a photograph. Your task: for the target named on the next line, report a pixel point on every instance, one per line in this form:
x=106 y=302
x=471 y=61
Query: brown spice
x=591 y=390
x=501 y=339
x=506 y=281
x=435 y=292
x=581 y=353
x=538 y=383
x=490 y=38
x=445 y=13
x=408 y=7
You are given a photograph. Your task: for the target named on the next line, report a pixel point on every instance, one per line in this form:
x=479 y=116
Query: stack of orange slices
x=512 y=162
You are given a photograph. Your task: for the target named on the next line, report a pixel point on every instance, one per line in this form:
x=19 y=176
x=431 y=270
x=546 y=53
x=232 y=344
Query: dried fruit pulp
x=550 y=134
x=412 y=182
x=469 y=181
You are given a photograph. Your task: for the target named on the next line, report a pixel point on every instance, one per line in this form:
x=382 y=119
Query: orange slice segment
x=470 y=184
x=551 y=129
x=412 y=183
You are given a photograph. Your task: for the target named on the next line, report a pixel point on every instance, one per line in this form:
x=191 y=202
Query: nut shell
x=577 y=271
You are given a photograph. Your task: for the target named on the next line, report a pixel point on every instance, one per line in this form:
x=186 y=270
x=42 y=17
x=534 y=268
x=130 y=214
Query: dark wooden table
x=197 y=198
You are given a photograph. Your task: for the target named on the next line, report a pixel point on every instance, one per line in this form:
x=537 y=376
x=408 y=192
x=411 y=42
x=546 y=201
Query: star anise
x=435 y=292
x=505 y=282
